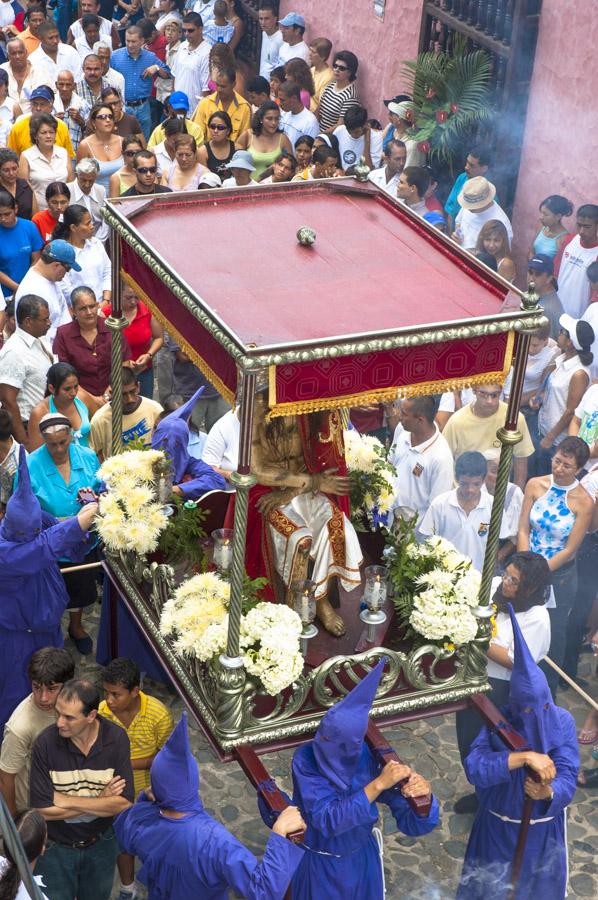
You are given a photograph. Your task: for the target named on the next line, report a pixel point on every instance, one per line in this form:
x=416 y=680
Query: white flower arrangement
x=436 y=589
x=196 y=619
x=372 y=480
x=130 y=516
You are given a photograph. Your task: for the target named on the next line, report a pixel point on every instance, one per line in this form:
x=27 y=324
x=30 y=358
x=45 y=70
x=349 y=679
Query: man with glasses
x=58 y=258
x=191 y=67
x=474 y=427
x=48 y=669
x=146 y=171
x=138 y=67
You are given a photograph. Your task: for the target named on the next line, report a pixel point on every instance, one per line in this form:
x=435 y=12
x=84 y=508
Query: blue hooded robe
x=196 y=857
x=547 y=729
x=33 y=595
x=342 y=859
x=172 y=436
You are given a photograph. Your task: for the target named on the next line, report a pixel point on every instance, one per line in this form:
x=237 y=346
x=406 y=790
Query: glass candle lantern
x=304 y=603
x=376 y=587
x=223 y=548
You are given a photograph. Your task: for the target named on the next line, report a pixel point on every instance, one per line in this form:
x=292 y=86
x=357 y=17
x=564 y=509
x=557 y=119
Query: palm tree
x=452 y=98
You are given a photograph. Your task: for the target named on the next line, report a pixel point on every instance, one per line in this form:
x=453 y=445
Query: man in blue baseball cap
x=41 y=100
x=176 y=106
x=292 y=28
x=57 y=258
x=540 y=270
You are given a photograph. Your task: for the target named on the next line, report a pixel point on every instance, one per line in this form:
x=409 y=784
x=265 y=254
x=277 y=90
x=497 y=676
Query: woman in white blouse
x=44 y=162
x=96 y=270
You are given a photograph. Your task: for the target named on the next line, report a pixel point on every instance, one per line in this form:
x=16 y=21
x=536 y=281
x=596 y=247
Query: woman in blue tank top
x=64 y=396
x=551 y=234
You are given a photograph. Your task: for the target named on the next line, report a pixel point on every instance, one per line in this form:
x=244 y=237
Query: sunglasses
x=218 y=127
x=147 y=170
x=340 y=68
x=105 y=116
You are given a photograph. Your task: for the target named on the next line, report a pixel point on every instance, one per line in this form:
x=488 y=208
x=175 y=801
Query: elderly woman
x=341 y=94
x=85 y=191
x=65 y=397
x=44 y=162
x=86 y=343
x=59 y=469
x=185 y=171
x=76 y=228
x=145 y=336
x=555 y=516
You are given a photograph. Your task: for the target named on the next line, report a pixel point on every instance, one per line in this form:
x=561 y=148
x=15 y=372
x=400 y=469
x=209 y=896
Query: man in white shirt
x=292 y=28
x=70 y=107
x=387 y=176
x=271 y=37
x=52 y=55
x=578 y=251
x=108 y=30
x=295 y=120
x=462 y=516
x=421 y=456
x=24 y=362
x=411 y=189
x=58 y=258
x=221 y=449
x=478 y=206
x=86 y=192
x=114 y=78
x=22 y=76
x=356 y=139
x=191 y=68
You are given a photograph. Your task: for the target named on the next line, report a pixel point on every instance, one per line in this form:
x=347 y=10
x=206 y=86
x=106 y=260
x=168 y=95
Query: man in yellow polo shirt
x=42 y=100
x=224 y=98
x=148 y=724
x=176 y=106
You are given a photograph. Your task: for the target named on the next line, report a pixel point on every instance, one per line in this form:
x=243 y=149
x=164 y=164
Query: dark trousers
x=564 y=582
x=468 y=721
x=86 y=874
x=587 y=587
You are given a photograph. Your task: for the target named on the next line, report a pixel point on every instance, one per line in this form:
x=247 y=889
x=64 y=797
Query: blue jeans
x=143 y=112
x=146 y=382
x=86 y=874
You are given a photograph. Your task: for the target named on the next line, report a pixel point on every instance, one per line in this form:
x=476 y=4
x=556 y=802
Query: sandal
x=587 y=737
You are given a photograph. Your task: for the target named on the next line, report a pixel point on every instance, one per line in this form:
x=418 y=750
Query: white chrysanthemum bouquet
x=372 y=481
x=196 y=619
x=130 y=516
x=435 y=588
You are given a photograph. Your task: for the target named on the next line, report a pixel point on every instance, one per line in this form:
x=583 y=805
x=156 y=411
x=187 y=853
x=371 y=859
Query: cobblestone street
x=415 y=869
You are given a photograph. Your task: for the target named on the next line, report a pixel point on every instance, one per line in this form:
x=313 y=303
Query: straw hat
x=476 y=193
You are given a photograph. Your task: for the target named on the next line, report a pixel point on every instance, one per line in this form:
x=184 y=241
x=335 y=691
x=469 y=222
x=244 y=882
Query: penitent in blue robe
x=33 y=598
x=196 y=858
x=342 y=859
x=493 y=838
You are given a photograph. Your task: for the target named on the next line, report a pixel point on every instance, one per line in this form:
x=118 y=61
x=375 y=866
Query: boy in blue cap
x=337 y=784
x=502 y=784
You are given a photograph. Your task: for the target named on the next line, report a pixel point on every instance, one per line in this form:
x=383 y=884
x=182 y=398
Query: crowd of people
x=142 y=97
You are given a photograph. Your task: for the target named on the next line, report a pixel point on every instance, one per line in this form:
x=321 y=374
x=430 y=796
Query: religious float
x=314 y=298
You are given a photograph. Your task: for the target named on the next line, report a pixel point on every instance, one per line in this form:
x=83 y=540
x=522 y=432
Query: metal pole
x=116 y=323
x=508 y=436
x=12 y=842
x=243 y=481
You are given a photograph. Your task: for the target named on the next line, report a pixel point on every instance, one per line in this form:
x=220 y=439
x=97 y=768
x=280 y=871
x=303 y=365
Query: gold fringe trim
x=391 y=393
x=191 y=352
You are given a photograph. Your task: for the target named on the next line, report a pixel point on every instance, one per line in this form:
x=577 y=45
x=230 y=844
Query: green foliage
x=181 y=540
x=451 y=95
x=252 y=588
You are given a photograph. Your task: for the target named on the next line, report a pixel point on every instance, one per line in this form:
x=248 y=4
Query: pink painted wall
x=381 y=45
x=561 y=130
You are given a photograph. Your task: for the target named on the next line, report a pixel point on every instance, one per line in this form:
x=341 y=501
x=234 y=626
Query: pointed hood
x=174 y=773
x=172 y=436
x=338 y=742
x=23 y=518
x=533 y=712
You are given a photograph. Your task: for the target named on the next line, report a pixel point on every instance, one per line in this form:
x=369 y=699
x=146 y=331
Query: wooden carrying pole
x=384 y=754
x=494 y=719
x=572 y=683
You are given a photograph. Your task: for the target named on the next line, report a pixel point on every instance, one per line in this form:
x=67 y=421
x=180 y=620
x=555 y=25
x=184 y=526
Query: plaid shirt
x=86 y=93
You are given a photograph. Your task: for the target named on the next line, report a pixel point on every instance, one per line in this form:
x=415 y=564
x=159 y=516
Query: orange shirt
x=30 y=41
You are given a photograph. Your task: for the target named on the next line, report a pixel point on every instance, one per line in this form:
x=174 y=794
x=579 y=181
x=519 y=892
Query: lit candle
x=223 y=555
x=305 y=608
x=374 y=587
